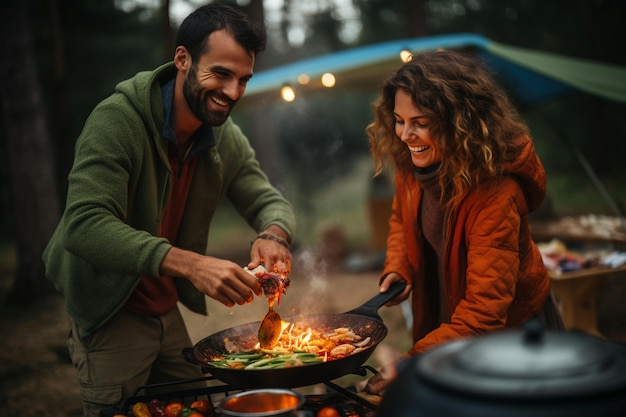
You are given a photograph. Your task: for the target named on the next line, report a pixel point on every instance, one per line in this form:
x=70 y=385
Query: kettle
x=515 y=373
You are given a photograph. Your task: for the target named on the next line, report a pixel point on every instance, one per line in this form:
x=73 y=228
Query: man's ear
x=182 y=59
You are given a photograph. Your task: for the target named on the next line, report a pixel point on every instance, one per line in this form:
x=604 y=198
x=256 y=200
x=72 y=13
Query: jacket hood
x=143 y=93
x=524 y=164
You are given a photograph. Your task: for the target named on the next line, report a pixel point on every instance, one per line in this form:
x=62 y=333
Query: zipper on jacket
x=180 y=169
x=181 y=161
x=163 y=198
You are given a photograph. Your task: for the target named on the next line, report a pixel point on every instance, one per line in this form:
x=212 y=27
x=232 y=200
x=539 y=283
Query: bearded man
x=152 y=164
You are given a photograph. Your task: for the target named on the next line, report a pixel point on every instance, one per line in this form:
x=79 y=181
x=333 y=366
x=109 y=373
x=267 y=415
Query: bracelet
x=269 y=236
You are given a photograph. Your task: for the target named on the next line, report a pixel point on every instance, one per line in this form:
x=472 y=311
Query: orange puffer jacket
x=494 y=276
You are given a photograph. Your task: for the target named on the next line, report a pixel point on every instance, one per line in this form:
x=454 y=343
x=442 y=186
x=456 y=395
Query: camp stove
x=344 y=399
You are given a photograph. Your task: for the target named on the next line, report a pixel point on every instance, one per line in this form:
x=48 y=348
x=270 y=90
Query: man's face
x=218 y=79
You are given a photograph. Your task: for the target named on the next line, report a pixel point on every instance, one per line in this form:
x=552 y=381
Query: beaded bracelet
x=269 y=236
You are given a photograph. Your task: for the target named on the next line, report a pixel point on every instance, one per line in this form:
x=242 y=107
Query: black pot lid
x=529 y=363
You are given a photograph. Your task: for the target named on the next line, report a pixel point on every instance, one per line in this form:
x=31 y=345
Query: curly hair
x=471 y=118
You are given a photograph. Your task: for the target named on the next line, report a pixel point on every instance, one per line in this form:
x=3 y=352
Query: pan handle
x=370 y=307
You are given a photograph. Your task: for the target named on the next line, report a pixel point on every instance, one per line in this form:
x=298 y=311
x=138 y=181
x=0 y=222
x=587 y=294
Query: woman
x=466 y=178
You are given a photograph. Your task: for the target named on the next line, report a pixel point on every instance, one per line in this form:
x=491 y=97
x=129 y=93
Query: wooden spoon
x=269 y=329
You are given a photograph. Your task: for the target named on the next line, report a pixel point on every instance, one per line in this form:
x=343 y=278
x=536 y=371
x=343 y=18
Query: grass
x=344 y=204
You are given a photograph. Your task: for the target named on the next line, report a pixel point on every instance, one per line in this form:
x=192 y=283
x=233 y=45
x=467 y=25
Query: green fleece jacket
x=118 y=188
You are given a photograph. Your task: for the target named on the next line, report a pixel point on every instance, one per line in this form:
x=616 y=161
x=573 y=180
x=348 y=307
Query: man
x=152 y=163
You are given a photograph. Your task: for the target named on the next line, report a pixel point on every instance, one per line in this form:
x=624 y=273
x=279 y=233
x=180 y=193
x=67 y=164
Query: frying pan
x=363 y=320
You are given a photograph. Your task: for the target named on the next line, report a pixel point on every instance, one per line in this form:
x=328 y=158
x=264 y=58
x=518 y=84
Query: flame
x=328 y=345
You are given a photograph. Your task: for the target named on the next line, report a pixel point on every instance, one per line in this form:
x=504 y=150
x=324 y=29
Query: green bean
x=244 y=355
x=256 y=360
x=283 y=360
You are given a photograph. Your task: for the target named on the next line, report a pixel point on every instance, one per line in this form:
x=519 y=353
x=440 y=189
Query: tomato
x=174 y=409
x=203 y=406
x=196 y=414
x=328 y=412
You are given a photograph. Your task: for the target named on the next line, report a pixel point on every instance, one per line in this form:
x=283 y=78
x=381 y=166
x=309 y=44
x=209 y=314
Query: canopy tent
x=532 y=76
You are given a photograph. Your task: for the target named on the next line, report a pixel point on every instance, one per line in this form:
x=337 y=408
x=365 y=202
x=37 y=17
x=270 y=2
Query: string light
x=287 y=93
x=304 y=79
x=405 y=55
x=328 y=80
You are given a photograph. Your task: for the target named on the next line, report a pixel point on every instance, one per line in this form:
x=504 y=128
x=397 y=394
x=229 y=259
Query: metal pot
x=261 y=403
x=527 y=372
x=364 y=320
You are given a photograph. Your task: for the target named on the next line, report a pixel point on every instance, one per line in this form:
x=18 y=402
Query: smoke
x=311 y=283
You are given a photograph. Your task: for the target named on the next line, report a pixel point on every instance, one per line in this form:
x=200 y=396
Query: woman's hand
x=379 y=382
x=386 y=283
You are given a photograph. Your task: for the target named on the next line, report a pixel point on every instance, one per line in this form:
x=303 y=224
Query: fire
x=289 y=339
x=329 y=345
x=297 y=346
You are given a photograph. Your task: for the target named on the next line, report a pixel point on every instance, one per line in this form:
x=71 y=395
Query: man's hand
x=271 y=253
x=220 y=279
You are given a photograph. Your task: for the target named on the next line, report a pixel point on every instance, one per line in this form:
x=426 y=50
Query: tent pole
x=596 y=181
x=587 y=167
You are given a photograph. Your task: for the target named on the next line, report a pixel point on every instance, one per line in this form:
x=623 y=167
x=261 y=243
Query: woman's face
x=412 y=128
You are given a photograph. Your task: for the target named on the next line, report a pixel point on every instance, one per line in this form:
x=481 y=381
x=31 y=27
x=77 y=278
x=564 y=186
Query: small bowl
x=261 y=403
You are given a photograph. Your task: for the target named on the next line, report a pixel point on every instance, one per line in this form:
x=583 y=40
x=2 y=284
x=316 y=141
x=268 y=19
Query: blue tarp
x=532 y=76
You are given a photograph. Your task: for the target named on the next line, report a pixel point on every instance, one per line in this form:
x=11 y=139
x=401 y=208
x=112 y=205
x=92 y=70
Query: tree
x=36 y=204
x=263 y=132
x=166 y=28
x=385 y=20
x=40 y=148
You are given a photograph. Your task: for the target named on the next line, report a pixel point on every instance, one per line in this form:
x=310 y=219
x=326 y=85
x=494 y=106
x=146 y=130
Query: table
x=576 y=294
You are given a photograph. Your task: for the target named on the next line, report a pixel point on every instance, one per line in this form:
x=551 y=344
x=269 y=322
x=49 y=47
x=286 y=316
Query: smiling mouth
x=418 y=149
x=219 y=101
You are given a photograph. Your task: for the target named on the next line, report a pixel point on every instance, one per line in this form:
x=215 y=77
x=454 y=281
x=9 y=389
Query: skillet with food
x=363 y=321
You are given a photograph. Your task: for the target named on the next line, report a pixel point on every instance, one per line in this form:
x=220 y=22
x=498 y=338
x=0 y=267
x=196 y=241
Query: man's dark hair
x=212 y=17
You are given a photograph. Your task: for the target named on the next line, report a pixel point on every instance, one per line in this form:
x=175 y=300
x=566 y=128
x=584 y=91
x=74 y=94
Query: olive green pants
x=129 y=351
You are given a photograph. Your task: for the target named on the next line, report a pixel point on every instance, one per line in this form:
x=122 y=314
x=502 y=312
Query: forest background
x=61 y=57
